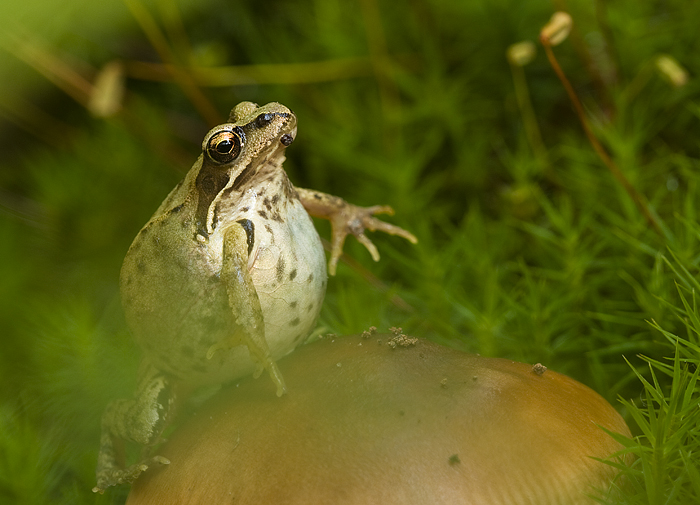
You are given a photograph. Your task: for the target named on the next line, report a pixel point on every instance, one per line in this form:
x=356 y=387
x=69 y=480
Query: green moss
x=535 y=254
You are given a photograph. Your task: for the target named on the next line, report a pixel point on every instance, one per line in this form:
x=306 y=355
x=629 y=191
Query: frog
x=227 y=276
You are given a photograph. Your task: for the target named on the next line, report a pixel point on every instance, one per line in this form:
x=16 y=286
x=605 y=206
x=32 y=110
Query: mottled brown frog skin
x=226 y=277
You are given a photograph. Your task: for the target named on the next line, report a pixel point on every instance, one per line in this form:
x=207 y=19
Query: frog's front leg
x=347 y=218
x=244 y=303
x=141 y=419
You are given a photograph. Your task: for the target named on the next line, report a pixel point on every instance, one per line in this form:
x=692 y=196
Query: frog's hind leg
x=245 y=304
x=142 y=420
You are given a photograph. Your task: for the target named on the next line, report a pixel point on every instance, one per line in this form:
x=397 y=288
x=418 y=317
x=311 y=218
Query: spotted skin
x=226 y=277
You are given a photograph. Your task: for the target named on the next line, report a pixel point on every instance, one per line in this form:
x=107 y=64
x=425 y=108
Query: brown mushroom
x=369 y=423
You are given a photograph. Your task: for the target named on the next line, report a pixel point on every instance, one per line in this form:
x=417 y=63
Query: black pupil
x=224 y=147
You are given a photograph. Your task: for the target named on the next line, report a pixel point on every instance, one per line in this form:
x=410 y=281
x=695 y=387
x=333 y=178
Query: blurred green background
x=529 y=248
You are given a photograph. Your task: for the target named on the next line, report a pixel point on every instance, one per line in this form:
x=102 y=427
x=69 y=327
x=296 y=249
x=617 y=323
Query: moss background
x=530 y=251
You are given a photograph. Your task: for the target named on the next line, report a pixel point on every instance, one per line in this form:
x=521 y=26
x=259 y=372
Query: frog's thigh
x=242 y=295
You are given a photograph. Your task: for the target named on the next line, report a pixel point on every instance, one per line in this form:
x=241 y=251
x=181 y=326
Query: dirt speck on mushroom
x=369 y=332
x=401 y=340
x=539 y=368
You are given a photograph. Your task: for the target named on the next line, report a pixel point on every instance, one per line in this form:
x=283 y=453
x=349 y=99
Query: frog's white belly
x=287 y=265
x=289 y=274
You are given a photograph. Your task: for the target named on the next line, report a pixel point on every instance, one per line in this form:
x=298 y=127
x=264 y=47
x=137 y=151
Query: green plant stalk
x=243 y=75
x=532 y=130
x=175 y=28
x=584 y=55
x=638 y=199
x=179 y=73
x=55 y=70
x=382 y=66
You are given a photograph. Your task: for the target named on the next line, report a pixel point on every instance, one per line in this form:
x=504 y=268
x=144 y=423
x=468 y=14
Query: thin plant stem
x=638 y=199
x=532 y=130
x=245 y=75
x=57 y=71
x=601 y=14
x=580 y=47
x=382 y=66
x=179 y=73
x=175 y=29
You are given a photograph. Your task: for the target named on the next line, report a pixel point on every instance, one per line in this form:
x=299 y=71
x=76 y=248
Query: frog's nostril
x=286 y=139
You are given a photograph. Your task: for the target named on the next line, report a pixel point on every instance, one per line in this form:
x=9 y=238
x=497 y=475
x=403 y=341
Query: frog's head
x=233 y=152
x=251 y=135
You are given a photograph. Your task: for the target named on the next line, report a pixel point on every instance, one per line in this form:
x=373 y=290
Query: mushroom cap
x=367 y=423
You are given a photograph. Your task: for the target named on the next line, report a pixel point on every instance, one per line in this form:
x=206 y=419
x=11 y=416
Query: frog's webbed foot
x=354 y=220
x=346 y=219
x=116 y=476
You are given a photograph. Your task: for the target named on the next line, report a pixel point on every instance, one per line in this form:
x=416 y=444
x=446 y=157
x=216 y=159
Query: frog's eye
x=263 y=119
x=224 y=147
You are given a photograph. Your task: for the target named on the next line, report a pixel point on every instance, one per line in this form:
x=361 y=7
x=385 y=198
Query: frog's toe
x=354 y=220
x=277 y=378
x=362 y=239
x=220 y=346
x=374 y=224
x=117 y=476
x=275 y=374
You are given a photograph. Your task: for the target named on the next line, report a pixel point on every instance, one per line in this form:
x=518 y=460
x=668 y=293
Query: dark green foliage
x=530 y=256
